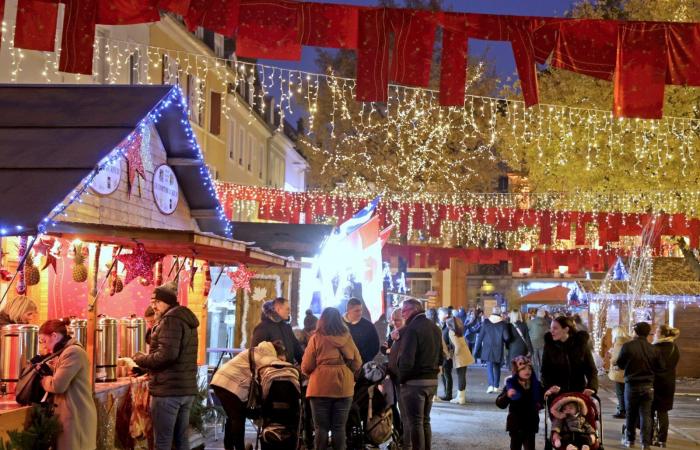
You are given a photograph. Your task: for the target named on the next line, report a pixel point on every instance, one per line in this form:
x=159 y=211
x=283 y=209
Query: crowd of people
x=549 y=358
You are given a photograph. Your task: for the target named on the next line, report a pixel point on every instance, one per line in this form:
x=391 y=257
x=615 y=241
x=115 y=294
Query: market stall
x=108 y=198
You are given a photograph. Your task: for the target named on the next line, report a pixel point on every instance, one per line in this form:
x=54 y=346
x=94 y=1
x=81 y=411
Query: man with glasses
x=419 y=362
x=172 y=365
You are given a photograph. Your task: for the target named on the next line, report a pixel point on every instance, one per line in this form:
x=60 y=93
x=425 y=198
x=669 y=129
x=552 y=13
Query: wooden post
x=92 y=313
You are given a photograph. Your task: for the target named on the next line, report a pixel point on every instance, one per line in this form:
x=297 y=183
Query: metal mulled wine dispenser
x=18 y=345
x=106 y=348
x=132 y=336
x=77 y=329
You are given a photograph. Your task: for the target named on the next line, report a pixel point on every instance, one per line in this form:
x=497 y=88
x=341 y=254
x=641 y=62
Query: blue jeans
x=638 y=400
x=416 y=403
x=171 y=418
x=330 y=414
x=493 y=372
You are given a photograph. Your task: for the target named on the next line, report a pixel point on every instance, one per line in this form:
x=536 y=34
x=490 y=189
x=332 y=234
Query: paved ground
x=481 y=425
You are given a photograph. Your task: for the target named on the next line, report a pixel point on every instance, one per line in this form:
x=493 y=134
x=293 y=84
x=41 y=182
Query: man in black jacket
x=419 y=363
x=363 y=332
x=172 y=365
x=275 y=326
x=640 y=362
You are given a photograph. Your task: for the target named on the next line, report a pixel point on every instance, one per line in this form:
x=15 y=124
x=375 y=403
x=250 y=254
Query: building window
x=215 y=113
x=199 y=33
x=213 y=172
x=249 y=159
x=231 y=141
x=241 y=144
x=261 y=159
x=194 y=93
x=219 y=45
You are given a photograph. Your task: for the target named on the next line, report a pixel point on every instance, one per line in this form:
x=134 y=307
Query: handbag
x=254 y=404
x=520 y=333
x=379 y=427
x=29 y=389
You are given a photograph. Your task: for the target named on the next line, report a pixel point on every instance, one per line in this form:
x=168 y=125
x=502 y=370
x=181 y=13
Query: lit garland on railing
x=174 y=99
x=411 y=137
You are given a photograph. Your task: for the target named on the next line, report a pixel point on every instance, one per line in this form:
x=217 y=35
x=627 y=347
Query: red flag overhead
x=78 y=36
x=127 y=12
x=35 y=28
x=329 y=25
x=269 y=30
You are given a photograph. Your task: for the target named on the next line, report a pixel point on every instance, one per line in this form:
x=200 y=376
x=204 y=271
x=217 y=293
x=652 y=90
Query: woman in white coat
x=461 y=358
x=231 y=384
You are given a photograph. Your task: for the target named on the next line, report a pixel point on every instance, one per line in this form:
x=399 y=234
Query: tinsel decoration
x=207 y=279
x=139 y=264
x=241 y=278
x=21 y=287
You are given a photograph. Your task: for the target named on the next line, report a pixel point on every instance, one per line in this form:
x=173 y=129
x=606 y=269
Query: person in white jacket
x=231 y=384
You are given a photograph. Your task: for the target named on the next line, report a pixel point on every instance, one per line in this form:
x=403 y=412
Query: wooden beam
x=204 y=213
x=184 y=162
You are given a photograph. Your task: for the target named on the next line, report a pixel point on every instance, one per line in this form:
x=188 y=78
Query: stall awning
x=53 y=136
x=298 y=240
x=206 y=246
x=657 y=288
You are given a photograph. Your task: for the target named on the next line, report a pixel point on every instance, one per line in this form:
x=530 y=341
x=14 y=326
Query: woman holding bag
x=330 y=361
x=461 y=358
x=519 y=344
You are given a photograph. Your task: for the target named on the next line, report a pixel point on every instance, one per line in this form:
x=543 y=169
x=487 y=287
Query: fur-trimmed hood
x=559 y=403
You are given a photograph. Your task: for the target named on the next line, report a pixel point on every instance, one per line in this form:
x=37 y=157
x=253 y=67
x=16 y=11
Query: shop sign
x=107 y=179
x=166 y=191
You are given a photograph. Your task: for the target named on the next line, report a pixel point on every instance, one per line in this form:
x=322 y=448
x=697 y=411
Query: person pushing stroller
x=570 y=428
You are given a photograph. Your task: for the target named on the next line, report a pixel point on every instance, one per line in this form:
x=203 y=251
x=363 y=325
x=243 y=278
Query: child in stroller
x=370 y=422
x=574 y=419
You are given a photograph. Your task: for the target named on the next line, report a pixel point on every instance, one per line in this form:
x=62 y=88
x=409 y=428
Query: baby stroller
x=370 y=422
x=593 y=415
x=279 y=424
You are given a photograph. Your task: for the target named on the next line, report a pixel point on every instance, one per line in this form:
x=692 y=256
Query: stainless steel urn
x=18 y=344
x=106 y=350
x=123 y=332
x=132 y=336
x=78 y=331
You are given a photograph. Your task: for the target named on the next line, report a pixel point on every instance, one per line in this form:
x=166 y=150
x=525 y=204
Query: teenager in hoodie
x=172 y=364
x=330 y=361
x=274 y=326
x=567 y=362
x=494 y=334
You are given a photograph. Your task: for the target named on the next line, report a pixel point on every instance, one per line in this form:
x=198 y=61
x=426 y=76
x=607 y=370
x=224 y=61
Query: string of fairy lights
x=409 y=141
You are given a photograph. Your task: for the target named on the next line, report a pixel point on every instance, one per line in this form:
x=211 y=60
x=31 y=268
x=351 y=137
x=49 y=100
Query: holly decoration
x=241 y=278
x=139 y=264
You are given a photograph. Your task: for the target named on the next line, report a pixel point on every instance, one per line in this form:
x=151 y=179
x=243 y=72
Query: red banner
x=35 y=28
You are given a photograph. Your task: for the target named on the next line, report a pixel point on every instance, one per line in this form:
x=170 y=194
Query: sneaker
x=627 y=444
x=489 y=389
x=619 y=415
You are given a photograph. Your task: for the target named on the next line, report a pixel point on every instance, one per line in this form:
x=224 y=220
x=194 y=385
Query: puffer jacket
x=615 y=373
x=272 y=328
x=569 y=364
x=494 y=334
x=236 y=376
x=330 y=362
x=421 y=352
x=172 y=358
x=665 y=380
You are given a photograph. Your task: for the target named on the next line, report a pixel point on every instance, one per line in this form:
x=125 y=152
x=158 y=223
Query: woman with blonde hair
x=20 y=309
x=616 y=374
x=665 y=381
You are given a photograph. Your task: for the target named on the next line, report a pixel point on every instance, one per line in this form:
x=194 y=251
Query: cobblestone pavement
x=481 y=425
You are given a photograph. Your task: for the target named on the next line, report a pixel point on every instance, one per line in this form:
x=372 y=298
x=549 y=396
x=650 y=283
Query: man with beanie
x=363 y=332
x=640 y=361
x=172 y=365
x=274 y=326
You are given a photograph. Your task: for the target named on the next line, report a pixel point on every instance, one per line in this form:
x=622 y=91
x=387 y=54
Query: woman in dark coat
x=567 y=362
x=494 y=334
x=665 y=381
x=519 y=344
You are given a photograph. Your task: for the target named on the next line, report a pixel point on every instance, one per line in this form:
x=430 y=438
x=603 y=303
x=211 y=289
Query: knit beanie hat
x=166 y=293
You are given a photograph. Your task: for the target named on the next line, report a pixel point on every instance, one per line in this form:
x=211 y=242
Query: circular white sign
x=166 y=191
x=107 y=179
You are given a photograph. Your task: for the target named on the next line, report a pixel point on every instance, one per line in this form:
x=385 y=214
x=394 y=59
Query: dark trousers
x=446 y=376
x=638 y=400
x=462 y=378
x=662 y=417
x=330 y=414
x=493 y=370
x=522 y=441
x=620 y=393
x=416 y=402
x=234 y=433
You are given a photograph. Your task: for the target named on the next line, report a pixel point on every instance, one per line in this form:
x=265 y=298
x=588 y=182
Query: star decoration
x=44 y=245
x=133 y=159
x=241 y=278
x=139 y=264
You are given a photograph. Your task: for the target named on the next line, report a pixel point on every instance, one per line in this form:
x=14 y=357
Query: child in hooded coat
x=522 y=395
